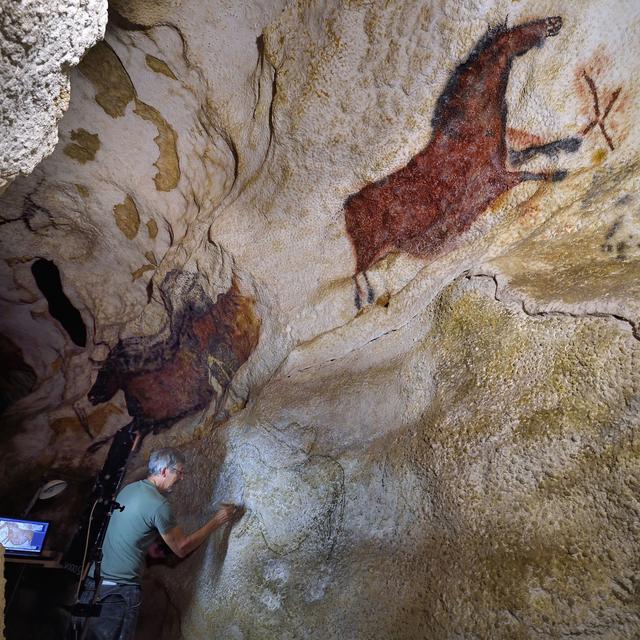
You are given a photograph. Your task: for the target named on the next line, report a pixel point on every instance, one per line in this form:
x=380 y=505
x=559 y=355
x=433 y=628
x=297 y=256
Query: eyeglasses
x=178 y=472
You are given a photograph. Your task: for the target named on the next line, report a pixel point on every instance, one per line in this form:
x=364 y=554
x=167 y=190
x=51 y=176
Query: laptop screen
x=22 y=537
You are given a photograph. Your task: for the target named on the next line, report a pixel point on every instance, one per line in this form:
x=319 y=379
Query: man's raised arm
x=182 y=544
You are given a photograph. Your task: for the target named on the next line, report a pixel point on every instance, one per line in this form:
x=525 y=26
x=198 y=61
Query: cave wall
x=40 y=42
x=374 y=267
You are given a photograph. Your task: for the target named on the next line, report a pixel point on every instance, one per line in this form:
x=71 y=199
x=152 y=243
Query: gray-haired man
x=147 y=512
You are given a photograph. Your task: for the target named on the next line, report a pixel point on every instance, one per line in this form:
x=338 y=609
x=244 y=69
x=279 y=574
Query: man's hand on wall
x=229 y=513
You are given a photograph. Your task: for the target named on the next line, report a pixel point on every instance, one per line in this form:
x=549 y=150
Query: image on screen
x=25 y=537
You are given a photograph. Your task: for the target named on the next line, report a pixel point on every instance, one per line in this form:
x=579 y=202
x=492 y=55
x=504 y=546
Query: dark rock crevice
x=17 y=378
x=526 y=308
x=47 y=277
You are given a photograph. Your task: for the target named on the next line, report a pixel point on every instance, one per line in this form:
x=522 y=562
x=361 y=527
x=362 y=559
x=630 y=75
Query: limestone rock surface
x=39 y=42
x=375 y=268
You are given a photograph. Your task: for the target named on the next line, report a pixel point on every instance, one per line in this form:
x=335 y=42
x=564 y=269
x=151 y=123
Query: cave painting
x=600 y=117
x=424 y=206
x=183 y=372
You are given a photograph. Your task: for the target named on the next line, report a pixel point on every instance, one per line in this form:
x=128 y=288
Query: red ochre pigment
x=166 y=380
x=445 y=187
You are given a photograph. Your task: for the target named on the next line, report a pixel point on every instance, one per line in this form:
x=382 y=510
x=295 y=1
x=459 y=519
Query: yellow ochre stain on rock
x=159 y=66
x=114 y=90
x=84 y=147
x=147 y=14
x=96 y=421
x=167 y=163
x=152 y=229
x=141 y=271
x=127 y=217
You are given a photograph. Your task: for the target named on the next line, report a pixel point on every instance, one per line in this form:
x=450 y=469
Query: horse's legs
x=370 y=294
x=358 y=296
x=549 y=149
x=549 y=176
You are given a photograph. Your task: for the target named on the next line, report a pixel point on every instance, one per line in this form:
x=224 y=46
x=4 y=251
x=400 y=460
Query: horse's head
x=106 y=385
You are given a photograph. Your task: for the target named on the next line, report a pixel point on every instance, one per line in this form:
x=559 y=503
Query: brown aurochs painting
x=422 y=207
x=167 y=378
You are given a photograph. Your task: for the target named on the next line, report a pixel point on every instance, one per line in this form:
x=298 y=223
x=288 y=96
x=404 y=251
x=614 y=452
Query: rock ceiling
x=374 y=266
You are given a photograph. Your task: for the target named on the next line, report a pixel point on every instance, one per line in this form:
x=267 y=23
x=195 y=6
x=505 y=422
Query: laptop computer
x=23 y=538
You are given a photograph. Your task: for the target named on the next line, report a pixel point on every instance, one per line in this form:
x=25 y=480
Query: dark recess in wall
x=48 y=280
x=17 y=378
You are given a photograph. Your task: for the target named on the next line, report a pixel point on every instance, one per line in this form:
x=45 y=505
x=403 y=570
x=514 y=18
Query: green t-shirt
x=146 y=513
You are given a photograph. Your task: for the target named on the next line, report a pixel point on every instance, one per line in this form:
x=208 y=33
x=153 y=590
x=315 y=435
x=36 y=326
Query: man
x=146 y=513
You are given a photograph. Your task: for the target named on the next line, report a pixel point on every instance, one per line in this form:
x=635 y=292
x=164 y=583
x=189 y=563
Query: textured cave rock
x=429 y=404
x=39 y=43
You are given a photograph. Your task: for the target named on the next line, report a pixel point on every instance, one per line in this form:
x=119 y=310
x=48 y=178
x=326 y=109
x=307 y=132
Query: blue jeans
x=119 y=615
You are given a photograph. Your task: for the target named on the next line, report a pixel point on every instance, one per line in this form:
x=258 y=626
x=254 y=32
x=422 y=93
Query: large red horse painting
x=422 y=207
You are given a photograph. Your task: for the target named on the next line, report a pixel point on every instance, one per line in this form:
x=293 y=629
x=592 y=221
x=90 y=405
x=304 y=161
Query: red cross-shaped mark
x=600 y=117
